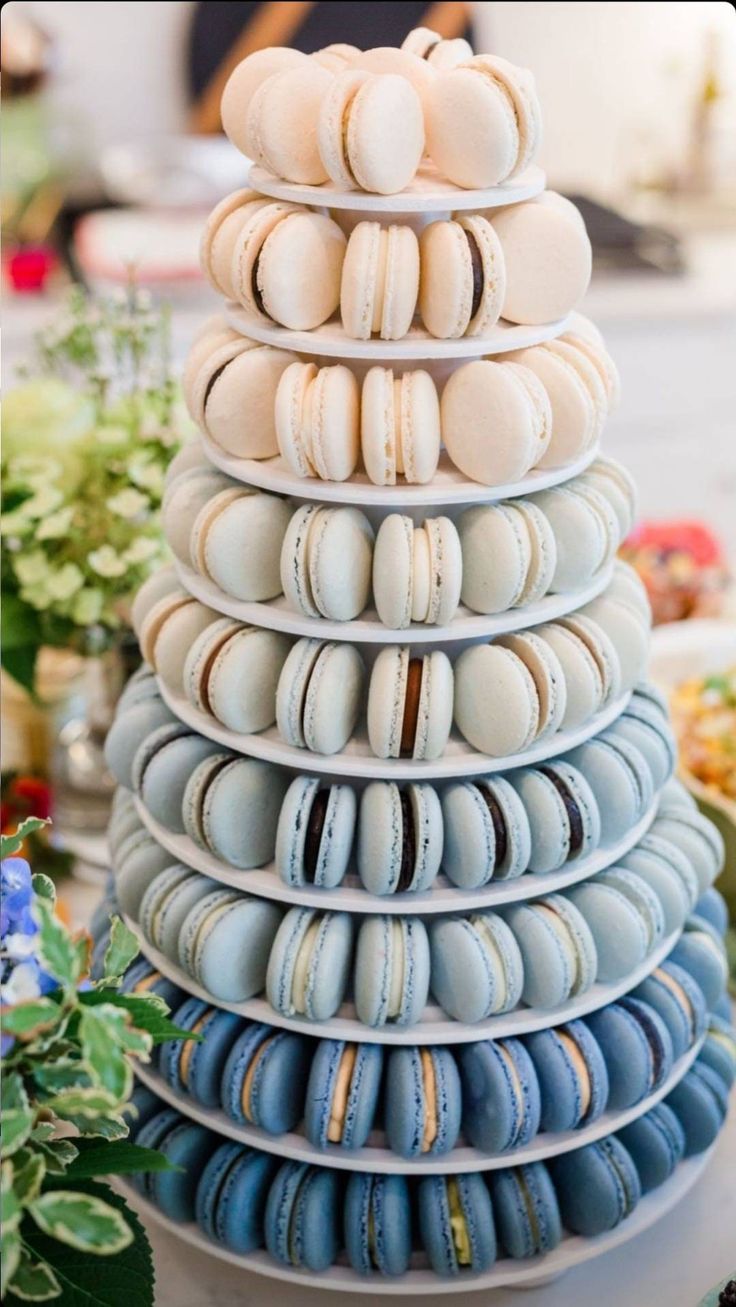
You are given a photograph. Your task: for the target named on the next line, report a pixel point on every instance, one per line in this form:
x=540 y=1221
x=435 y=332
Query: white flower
x=22 y=985
x=128 y=503
x=65 y=582
x=56 y=525
x=145 y=472
x=31 y=568
x=17 y=523
x=44 y=501
x=33 y=468
x=36 y=595
x=142 y=549
x=19 y=946
x=106 y=561
x=112 y=435
x=87 y=607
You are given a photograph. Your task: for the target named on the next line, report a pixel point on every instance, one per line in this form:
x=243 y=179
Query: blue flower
x=16 y=889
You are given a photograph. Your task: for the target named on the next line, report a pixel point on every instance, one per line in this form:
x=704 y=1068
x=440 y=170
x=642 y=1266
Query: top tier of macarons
x=366 y=119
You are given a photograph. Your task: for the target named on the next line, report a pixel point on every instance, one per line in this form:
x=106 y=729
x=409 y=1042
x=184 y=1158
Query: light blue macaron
x=161 y=768
x=597 y=1186
x=668 y=873
x=400 y=837
x=699 y=838
x=563 y=815
x=656 y=1143
x=377 y=1224
x=486 y=832
x=231 y=807
x=342 y=1093
x=314 y=836
x=637 y=1048
x=700 y=950
x=477 y=967
x=671 y=991
x=501 y=1100
x=166 y=904
x=309 y=965
x=302 y=1220
x=133 y=724
x=138 y=861
x=645 y=727
x=391 y=979
x=557 y=948
x=620 y=779
x=675 y=796
x=526 y=1209
x=231 y=1196
x=423 y=1101
x=700 y=1103
x=712 y=907
x=572 y=1075
x=225 y=941
x=456 y=1223
x=263 y=1077
x=625 y=918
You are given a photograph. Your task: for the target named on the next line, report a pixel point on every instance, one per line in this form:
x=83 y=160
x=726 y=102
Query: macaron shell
x=557 y=949
x=496 y=554
x=242 y=84
x=677 y=998
x=443 y=1223
x=526 y=1210
x=240 y=812
x=548 y=259
x=281 y=123
x=243 y=677
x=377 y=1222
x=242 y=546
x=232 y=953
x=472 y=132
x=471 y=851
x=597 y=1186
x=340 y=552
x=620 y=934
x=490 y=429
x=127 y=731
x=247 y=386
x=477 y=968
x=423 y=1101
x=436 y=695
x=385 y=133
x=656 y=1143
x=500 y=1094
x=573 y=412
x=637 y=1047
x=572 y=1074
x=174 y=638
x=299 y=270
x=333 y=407
x=393 y=571
x=583 y=680
x=496 y=701
x=166 y=774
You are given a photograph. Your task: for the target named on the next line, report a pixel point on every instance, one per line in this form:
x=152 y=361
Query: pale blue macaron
x=309 y=965
x=161 y=768
x=141 y=685
x=132 y=725
x=671 y=991
x=477 y=967
x=620 y=779
x=719 y=1048
x=315 y=832
x=342 y=1093
x=625 y=918
x=302 y=1221
x=712 y=907
x=700 y=1103
x=456 y=1223
x=700 y=950
x=423 y=1101
x=526 y=1209
x=391 y=978
x=194 y=1067
x=138 y=861
x=501 y=1101
x=400 y=837
x=668 y=873
x=235 y=812
x=377 y=1224
x=563 y=815
x=557 y=947
x=674 y=796
x=124 y=820
x=643 y=725
x=263 y=1077
x=656 y=1143
x=572 y=1075
x=699 y=838
x=166 y=904
x=637 y=1048
x=597 y=1186
x=231 y=1196
x=225 y=941
x=486 y=832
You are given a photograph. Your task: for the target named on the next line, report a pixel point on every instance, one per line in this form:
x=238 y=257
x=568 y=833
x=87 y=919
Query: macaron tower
x=397 y=825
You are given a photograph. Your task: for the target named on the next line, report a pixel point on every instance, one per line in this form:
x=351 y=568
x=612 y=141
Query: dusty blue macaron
x=188 y=1146
x=557 y=947
x=161 y=768
x=668 y=873
x=647 y=728
x=302 y=1222
x=637 y=1048
x=500 y=1094
x=143 y=978
x=625 y=918
x=309 y=963
x=456 y=1223
x=486 y=832
x=342 y=1093
x=563 y=814
x=423 y=1101
x=700 y=1102
x=146 y=1105
x=700 y=951
x=597 y=1186
x=138 y=861
x=712 y=907
x=656 y=1143
x=572 y=1075
x=477 y=967
x=263 y=1078
x=699 y=838
x=231 y=1196
x=149 y=1132
x=166 y=904
x=225 y=941
x=391 y=976
x=315 y=831
x=377 y=1223
x=195 y=1066
x=671 y=991
x=526 y=1209
x=132 y=724
x=620 y=780
x=719 y=1048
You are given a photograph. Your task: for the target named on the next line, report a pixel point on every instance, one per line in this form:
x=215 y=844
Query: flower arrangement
x=67 y=1076
x=86 y=443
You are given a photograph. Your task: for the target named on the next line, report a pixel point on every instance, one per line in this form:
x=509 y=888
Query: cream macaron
x=317 y=420
x=231 y=672
x=400 y=426
x=548 y=258
x=236 y=541
x=182 y=500
x=576 y=395
x=326 y=562
x=319 y=695
x=371 y=131
x=509 y=555
x=483 y=122
x=232 y=392
x=463 y=279
x=410 y=704
x=496 y=421
x=167 y=634
x=417 y=571
x=242 y=85
x=388 y=59
x=380 y=281
x=287 y=265
x=280 y=124
x=219 y=234
x=439 y=53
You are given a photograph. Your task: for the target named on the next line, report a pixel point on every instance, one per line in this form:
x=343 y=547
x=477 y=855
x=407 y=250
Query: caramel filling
x=189 y=1047
x=430 y=1099
x=411 y=706
x=679 y=993
x=249 y=1077
x=342 y=1090
x=581 y=1070
x=553 y=917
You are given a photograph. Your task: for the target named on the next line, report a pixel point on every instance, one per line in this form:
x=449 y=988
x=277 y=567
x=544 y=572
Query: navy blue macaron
x=302 y=1223
x=423 y=1104
x=500 y=1091
x=597 y=1186
x=195 y=1066
x=572 y=1075
x=231 y=1196
x=656 y=1143
x=637 y=1047
x=526 y=1209
x=456 y=1223
x=264 y=1076
x=342 y=1093
x=700 y=1103
x=378 y=1223
x=146 y=1105
x=673 y=993
x=149 y=1133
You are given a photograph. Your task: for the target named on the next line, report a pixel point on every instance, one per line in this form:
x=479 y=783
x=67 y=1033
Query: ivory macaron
x=242 y=85
x=509 y=555
x=509 y=693
x=486 y=832
x=280 y=122
x=371 y=131
x=309 y=965
x=317 y=420
x=314 y=837
x=576 y=397
x=547 y=255
x=463 y=281
x=380 y=281
x=326 y=560
x=232 y=396
x=400 y=426
x=627 y=630
x=417 y=571
x=391 y=974
x=439 y=53
x=319 y=695
x=590 y=665
x=390 y=60
x=232 y=671
x=182 y=501
x=586 y=535
x=410 y=704
x=167 y=644
x=400 y=832
x=483 y=122
x=477 y=968
x=219 y=234
x=236 y=542
x=496 y=421
x=287 y=265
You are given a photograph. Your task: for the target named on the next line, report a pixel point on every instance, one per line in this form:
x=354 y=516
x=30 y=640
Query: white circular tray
x=422 y=1282
x=277 y=615
x=434 y=1027
x=350 y=896
x=331 y=341
x=357 y=760
x=429 y=192
x=379 y=1158
x=449 y=486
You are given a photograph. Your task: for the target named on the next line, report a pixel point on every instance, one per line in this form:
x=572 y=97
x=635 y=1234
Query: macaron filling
x=343 y=1081
x=498 y=821
x=572 y=811
x=408 y=843
x=458 y=1224
x=429 y=1080
x=300 y=978
x=254 y=286
x=411 y=706
x=581 y=1069
x=187 y=1051
x=552 y=916
x=653 y=1039
x=211 y=383
x=476 y=264
x=397 y=964
x=516 y=1087
x=681 y=997
x=531 y=1212
x=247 y=1089
x=344 y=128
x=313 y=838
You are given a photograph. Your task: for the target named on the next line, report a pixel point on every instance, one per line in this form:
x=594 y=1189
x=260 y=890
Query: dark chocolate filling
x=408 y=844
x=255 y=288
x=574 y=815
x=411 y=706
x=500 y=834
x=313 y=837
x=477 y=266
x=215 y=375
x=641 y=1013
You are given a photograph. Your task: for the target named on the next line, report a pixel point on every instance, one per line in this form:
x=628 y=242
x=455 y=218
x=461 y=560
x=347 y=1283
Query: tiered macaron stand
x=428 y=197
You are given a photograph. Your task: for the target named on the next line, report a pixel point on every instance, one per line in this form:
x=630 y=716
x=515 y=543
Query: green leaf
x=9 y=1258
x=148 y=1012
x=44 y=887
x=42 y=1131
x=20 y=663
x=64 y=1073
x=26 y=1020
x=34 y=1281
x=28 y=1178
x=16 y=1118
x=121 y=950
x=121 y=1158
x=10 y=1212
x=125 y=1279
x=83 y=1101
x=58 y=952
x=101 y=1127
x=102 y=1052
x=9 y=844
x=82 y=1221
x=58 y=1154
